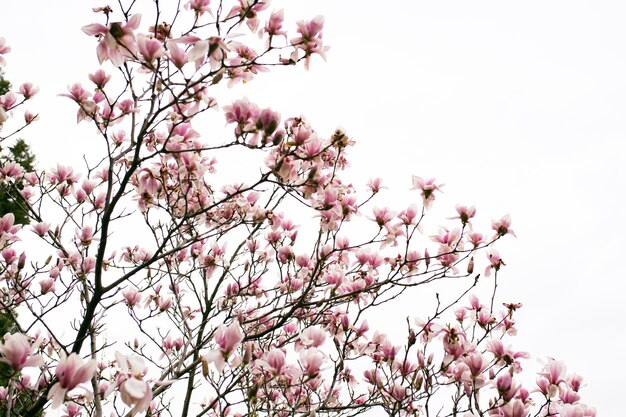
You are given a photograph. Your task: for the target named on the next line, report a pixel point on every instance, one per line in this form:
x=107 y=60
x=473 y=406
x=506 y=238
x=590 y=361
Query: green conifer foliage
x=19 y=153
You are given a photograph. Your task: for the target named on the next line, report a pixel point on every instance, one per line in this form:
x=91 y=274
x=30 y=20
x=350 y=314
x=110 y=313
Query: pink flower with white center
x=502 y=227
x=17 y=351
x=70 y=372
x=4 y=49
x=427 y=189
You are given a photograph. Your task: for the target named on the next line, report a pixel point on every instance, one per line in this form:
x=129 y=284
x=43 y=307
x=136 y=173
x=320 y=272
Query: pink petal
x=95 y=29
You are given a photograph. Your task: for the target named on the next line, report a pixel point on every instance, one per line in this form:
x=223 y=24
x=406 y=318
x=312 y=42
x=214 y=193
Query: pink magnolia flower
x=276 y=360
x=313 y=337
x=475 y=238
x=247 y=10
x=274 y=25
x=574 y=381
x=12 y=170
x=99 y=78
x=131 y=296
x=116 y=40
x=177 y=56
x=85 y=235
x=200 y=7
x=502 y=227
x=150 y=49
x=382 y=215
x=30 y=117
x=228 y=338
x=464 y=213
x=47 y=285
x=134 y=391
x=310 y=39
x=71 y=371
x=311 y=360
x=9 y=100
x=514 y=408
x=72 y=410
x=28 y=90
x=495 y=262
x=506 y=386
x=17 y=352
x=8 y=229
x=427 y=189
x=554 y=372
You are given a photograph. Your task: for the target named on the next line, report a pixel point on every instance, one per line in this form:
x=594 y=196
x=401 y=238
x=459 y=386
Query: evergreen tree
x=19 y=153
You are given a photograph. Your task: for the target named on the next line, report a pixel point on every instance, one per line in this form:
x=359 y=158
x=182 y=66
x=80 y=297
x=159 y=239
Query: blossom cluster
x=178 y=280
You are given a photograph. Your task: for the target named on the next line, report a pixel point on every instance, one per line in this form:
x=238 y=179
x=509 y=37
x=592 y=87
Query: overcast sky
x=518 y=107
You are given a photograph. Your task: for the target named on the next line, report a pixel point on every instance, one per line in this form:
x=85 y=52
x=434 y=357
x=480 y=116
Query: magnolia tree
x=148 y=284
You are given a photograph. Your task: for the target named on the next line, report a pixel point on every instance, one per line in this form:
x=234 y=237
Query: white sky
x=516 y=106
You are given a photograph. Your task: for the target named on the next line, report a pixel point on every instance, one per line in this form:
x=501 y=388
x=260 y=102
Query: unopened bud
x=21 y=261
x=470 y=265
x=205 y=367
x=412 y=338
